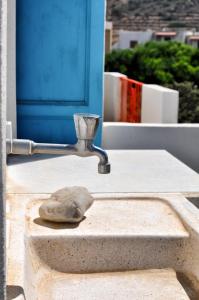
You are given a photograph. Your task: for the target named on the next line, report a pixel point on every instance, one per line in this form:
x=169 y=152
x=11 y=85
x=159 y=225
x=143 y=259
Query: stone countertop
x=139 y=218
x=133 y=171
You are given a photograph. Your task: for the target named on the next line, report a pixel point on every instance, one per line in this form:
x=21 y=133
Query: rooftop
x=164 y=33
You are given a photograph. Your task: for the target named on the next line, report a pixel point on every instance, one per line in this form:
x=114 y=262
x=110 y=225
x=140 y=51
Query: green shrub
x=189 y=102
x=171 y=64
x=175 y=24
x=156 y=62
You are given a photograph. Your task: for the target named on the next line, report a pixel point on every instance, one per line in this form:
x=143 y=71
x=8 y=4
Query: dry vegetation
x=153 y=14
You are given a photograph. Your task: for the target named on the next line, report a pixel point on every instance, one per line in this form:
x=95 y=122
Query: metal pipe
x=86 y=127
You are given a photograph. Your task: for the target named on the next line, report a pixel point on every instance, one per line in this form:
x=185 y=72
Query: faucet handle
x=86 y=125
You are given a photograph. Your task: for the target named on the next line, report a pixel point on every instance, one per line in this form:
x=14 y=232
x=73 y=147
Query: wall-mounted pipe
x=86 y=127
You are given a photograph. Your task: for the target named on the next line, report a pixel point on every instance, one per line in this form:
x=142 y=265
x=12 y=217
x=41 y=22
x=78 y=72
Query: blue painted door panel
x=59 y=66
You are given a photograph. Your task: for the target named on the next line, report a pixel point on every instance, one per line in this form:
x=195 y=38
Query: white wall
x=194 y=43
x=181 y=140
x=159 y=104
x=126 y=36
x=112 y=96
x=182 y=34
x=3 y=96
x=11 y=65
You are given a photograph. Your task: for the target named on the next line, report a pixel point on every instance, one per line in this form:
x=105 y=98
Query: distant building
x=175 y=35
x=165 y=36
x=129 y=39
x=193 y=40
x=108 y=37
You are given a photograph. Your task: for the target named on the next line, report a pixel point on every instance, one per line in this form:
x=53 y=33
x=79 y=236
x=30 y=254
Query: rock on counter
x=66 y=205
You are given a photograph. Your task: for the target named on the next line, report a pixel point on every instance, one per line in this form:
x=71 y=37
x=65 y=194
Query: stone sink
x=127 y=247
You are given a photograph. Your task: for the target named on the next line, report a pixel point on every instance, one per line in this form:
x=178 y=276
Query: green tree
x=156 y=62
x=189 y=102
x=170 y=64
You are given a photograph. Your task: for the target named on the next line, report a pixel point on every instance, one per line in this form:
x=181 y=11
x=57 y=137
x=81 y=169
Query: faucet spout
x=86 y=127
x=87 y=148
x=104 y=166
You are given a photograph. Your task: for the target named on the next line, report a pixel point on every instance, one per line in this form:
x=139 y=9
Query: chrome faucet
x=86 y=127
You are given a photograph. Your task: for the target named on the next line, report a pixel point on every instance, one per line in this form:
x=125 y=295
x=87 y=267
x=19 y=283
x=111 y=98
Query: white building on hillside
x=193 y=40
x=172 y=35
x=129 y=39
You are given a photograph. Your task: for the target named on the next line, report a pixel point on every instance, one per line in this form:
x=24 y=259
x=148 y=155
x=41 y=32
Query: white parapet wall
x=181 y=140
x=159 y=104
x=112 y=96
x=9 y=130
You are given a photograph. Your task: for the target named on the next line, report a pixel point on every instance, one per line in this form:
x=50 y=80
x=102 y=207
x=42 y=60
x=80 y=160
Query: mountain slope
x=153 y=14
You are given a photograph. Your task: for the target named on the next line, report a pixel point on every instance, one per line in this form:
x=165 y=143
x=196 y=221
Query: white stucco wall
x=3 y=96
x=11 y=65
x=181 y=140
x=159 y=104
x=112 y=96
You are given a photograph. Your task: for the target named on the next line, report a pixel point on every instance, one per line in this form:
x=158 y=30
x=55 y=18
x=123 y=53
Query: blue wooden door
x=59 y=66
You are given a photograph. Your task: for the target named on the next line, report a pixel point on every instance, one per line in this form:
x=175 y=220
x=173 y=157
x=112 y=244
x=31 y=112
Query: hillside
x=153 y=14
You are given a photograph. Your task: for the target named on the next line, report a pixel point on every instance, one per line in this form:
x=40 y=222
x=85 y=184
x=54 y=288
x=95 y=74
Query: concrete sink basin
x=127 y=247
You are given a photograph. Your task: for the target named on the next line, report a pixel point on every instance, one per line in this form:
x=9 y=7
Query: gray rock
x=66 y=205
